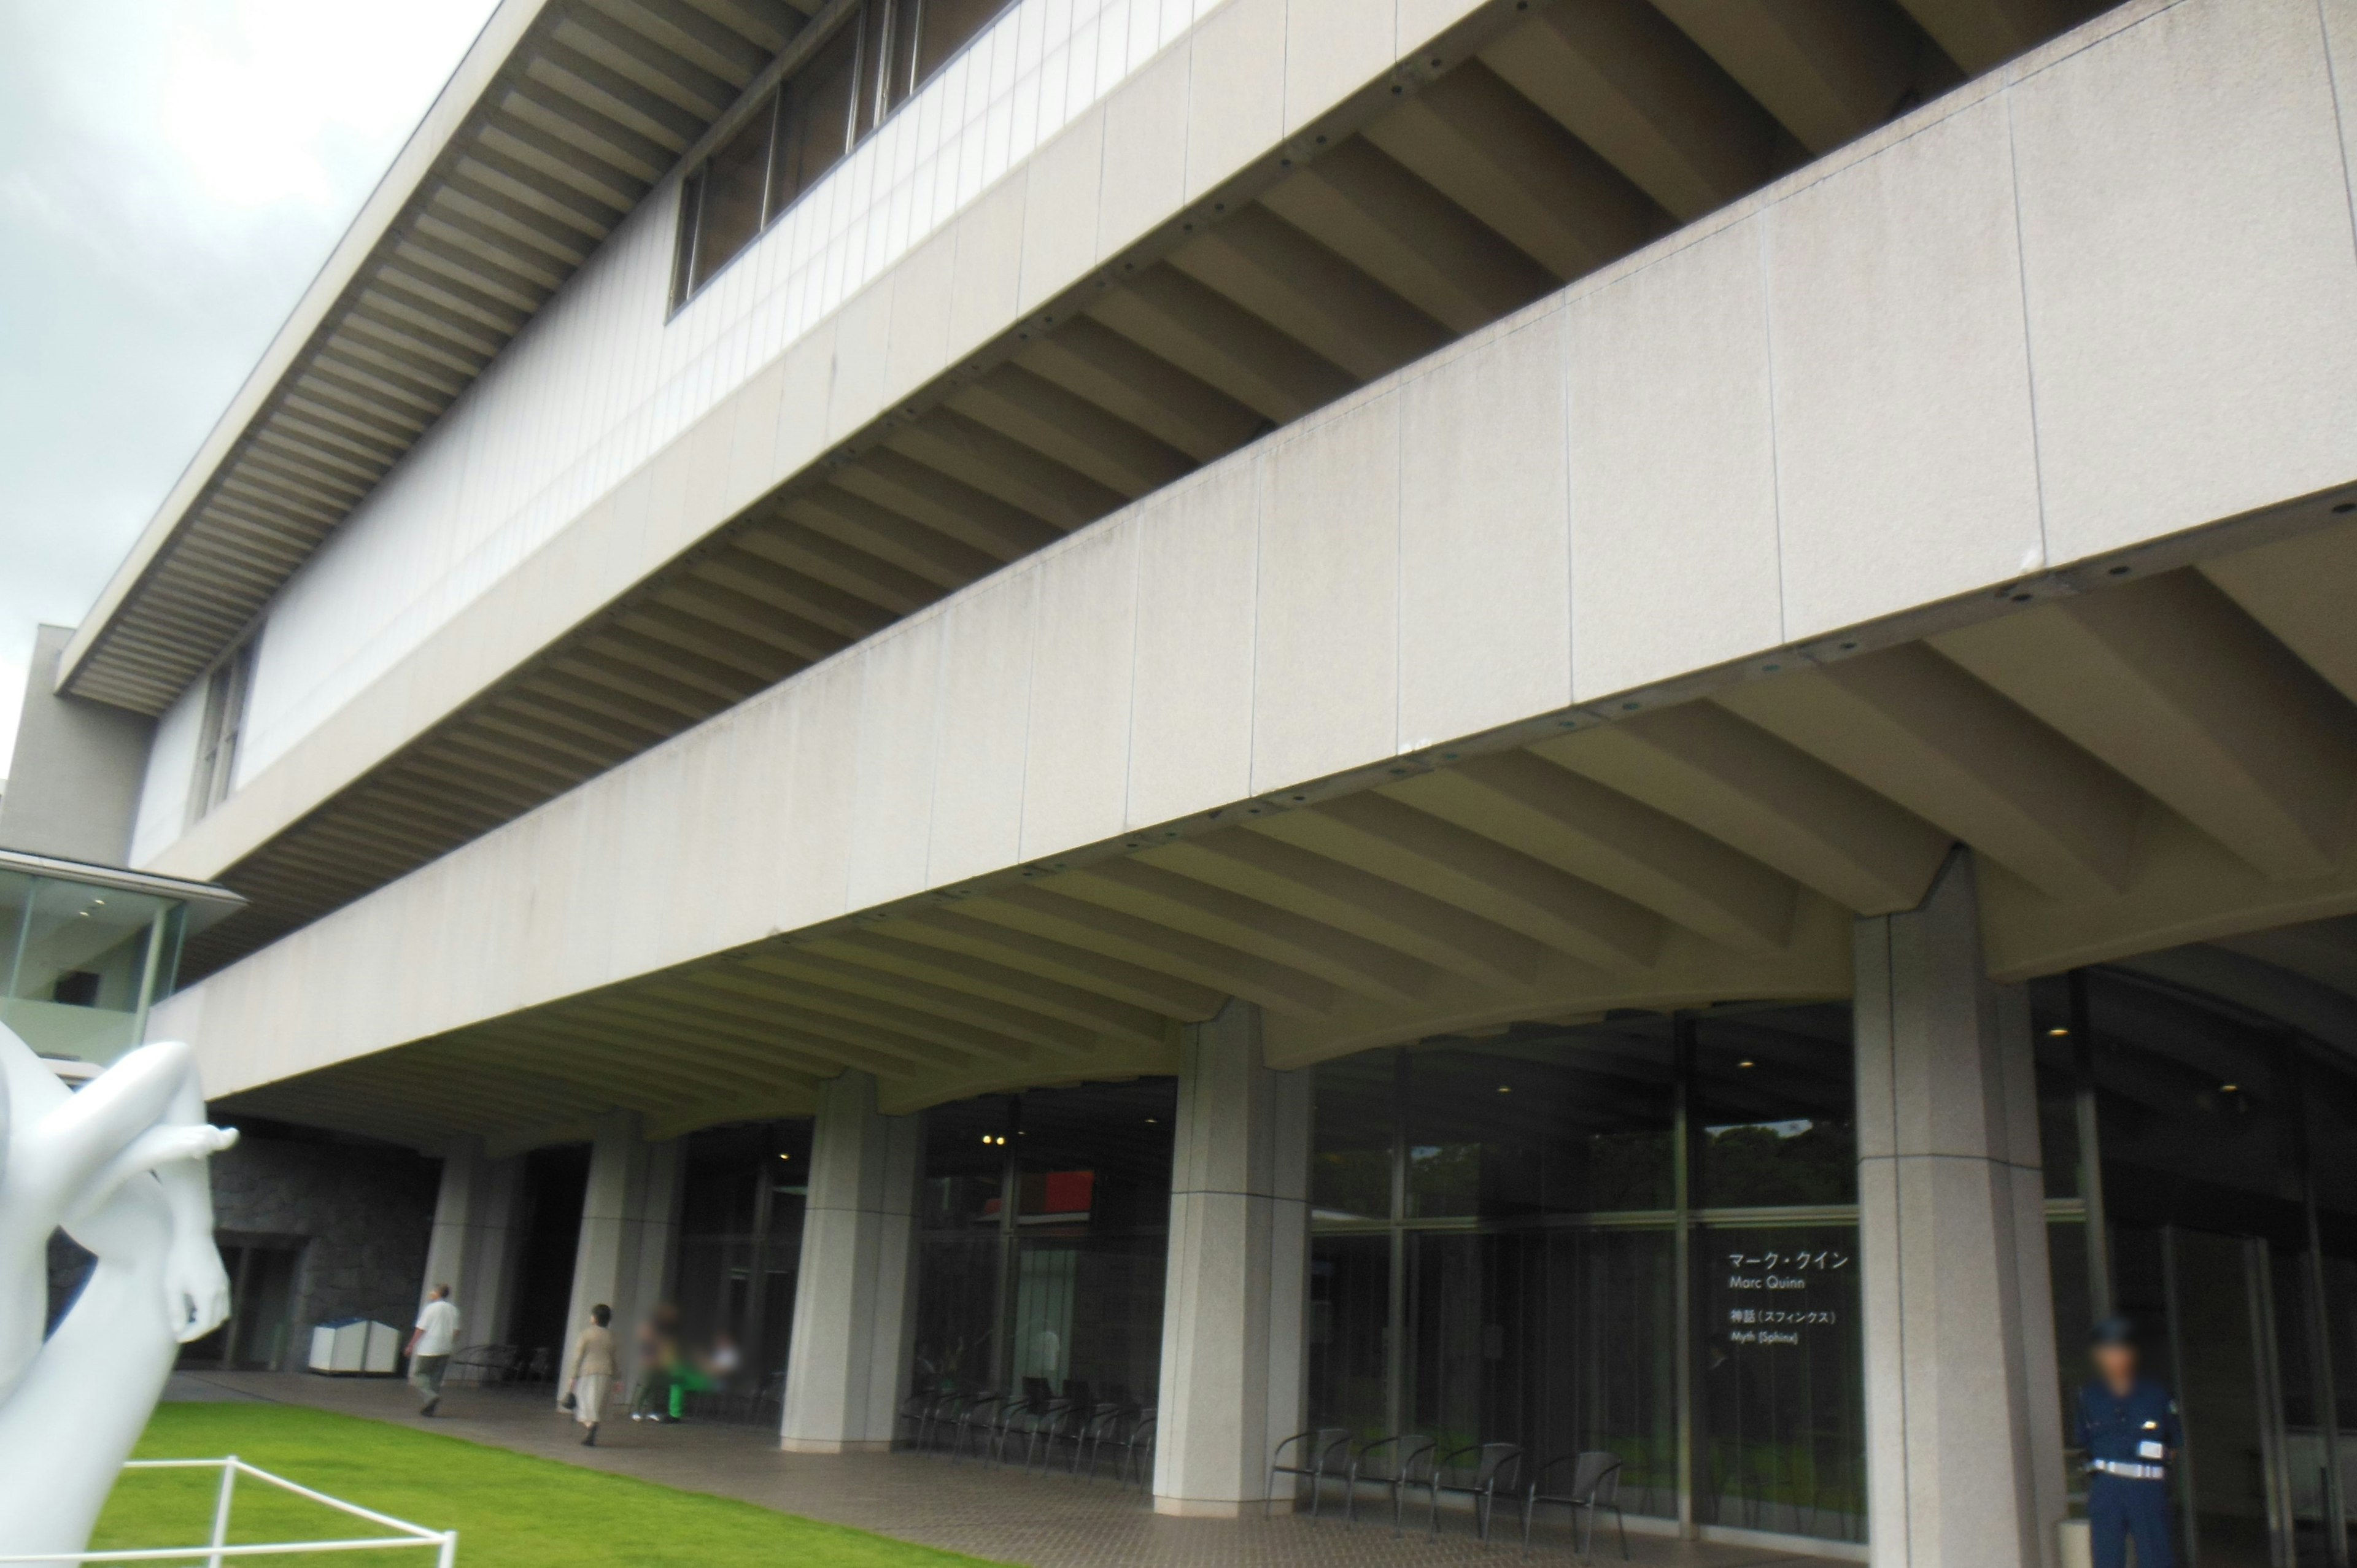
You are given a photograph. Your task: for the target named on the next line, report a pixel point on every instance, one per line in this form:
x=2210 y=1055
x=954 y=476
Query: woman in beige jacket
x=593 y=1372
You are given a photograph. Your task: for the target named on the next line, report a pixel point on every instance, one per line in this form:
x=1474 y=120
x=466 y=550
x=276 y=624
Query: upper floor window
x=881 y=55
x=225 y=697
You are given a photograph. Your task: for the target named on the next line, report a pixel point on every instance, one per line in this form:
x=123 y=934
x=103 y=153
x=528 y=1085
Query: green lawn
x=510 y=1510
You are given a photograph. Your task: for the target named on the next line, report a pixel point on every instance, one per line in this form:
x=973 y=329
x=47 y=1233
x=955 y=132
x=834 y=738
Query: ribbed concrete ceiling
x=593 y=104
x=2169 y=760
x=1584 y=130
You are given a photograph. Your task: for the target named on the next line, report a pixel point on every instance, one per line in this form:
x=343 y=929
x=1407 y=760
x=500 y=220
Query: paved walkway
x=996 y=1513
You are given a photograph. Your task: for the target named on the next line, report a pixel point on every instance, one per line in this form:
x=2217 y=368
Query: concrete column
x=855 y=1318
x=477 y=1238
x=630 y=1231
x=1964 y=1434
x=1235 y=1304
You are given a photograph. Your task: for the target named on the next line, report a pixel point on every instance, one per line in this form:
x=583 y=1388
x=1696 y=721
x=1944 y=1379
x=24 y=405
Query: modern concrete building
x=1617 y=725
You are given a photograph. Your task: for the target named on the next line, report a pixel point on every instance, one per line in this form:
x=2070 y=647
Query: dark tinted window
x=1774 y=1109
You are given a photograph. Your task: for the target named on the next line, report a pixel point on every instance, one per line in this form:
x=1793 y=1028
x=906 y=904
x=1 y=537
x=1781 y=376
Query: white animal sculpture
x=119 y=1167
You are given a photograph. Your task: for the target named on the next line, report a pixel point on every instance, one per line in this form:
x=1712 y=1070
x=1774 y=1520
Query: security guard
x=2128 y=1426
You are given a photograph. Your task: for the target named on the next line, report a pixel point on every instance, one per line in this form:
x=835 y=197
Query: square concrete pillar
x=1234 y=1311
x=477 y=1238
x=1964 y=1432
x=630 y=1231
x=855 y=1319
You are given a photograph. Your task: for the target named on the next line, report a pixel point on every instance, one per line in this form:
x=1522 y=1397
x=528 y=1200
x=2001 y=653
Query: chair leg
x=1620 y=1523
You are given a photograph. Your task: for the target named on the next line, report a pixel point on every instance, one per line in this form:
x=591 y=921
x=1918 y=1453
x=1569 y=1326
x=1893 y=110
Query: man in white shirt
x=431 y=1346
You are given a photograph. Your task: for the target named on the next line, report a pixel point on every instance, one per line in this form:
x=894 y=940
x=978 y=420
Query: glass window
x=1774 y=1107
x=1349 y=1332
x=735 y=183
x=74 y=974
x=1779 y=1376
x=226 y=690
x=1356 y=1115
x=1045 y=1222
x=814 y=130
x=1546 y=1122
x=855 y=81
x=740 y=1242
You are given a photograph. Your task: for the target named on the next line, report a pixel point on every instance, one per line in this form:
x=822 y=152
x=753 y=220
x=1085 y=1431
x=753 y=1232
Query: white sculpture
x=119 y=1167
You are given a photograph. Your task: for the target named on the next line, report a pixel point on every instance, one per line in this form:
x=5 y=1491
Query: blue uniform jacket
x=2140 y=1429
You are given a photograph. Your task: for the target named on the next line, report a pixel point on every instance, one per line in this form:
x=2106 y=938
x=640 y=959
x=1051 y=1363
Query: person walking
x=592 y=1377
x=2129 y=1425
x=431 y=1346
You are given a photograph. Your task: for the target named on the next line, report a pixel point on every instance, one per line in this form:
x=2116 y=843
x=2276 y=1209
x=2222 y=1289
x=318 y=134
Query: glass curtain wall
x=80 y=962
x=864 y=71
x=741 y=1248
x=2221 y=1213
x=1637 y=1235
x=1044 y=1236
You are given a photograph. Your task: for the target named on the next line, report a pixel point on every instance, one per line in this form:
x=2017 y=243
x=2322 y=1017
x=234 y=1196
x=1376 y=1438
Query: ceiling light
x=2229 y=1088
x=1505 y=1089
x=1743 y=1064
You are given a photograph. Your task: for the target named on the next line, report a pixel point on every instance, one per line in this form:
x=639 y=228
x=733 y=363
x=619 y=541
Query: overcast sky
x=172 y=173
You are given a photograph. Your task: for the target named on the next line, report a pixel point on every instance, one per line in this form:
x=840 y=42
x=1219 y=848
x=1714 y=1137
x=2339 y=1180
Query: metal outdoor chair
x=976 y=1417
x=1066 y=1414
x=1496 y=1467
x=1395 y=1464
x=1139 y=1449
x=1023 y=1417
x=1317 y=1454
x=1595 y=1479
x=1103 y=1424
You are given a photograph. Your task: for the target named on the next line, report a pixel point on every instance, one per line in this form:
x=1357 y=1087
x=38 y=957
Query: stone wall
x=363 y=1214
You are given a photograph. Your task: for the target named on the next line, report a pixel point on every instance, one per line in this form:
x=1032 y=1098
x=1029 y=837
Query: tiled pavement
x=996 y=1513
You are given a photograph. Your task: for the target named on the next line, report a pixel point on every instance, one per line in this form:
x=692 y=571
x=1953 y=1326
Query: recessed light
x=1746 y=1064
x=2058 y=1033
x=1505 y=1089
x=2229 y=1088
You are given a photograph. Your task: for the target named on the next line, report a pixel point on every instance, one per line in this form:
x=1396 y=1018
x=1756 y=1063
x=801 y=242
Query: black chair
x=1317 y=1454
x=1023 y=1417
x=1103 y=1424
x=1066 y=1415
x=1496 y=1467
x=1394 y=1462
x=1138 y=1449
x=1595 y=1483
x=978 y=1416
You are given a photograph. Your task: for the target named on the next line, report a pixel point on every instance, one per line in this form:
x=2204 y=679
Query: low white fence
x=443 y=1543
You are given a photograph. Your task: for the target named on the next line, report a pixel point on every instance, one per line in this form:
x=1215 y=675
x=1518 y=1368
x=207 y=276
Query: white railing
x=216 y=1550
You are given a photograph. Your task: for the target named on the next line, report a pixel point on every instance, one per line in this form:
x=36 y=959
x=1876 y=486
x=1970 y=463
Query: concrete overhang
x=1417 y=716
x=206 y=904
x=560 y=118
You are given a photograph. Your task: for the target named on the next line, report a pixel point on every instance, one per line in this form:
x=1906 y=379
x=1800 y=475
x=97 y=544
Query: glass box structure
x=86 y=949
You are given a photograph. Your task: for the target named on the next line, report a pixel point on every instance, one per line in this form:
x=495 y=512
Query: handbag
x=567 y=1401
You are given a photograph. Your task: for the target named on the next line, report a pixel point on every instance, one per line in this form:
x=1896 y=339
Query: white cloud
x=172 y=174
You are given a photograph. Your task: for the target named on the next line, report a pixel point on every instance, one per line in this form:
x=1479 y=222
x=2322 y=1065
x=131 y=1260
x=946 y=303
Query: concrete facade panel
x=1235 y=93
x=1326 y=661
x=815 y=794
x=984 y=714
x=1332 y=48
x=985 y=294
x=1060 y=217
x=892 y=806
x=2191 y=280
x=863 y=345
x=1144 y=175
x=1901 y=273
x=1484 y=573
x=1674 y=548
x=1076 y=781
x=1191 y=715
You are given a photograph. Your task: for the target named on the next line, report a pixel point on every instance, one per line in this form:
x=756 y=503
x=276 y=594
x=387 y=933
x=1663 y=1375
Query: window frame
x=229 y=696
x=872 y=105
